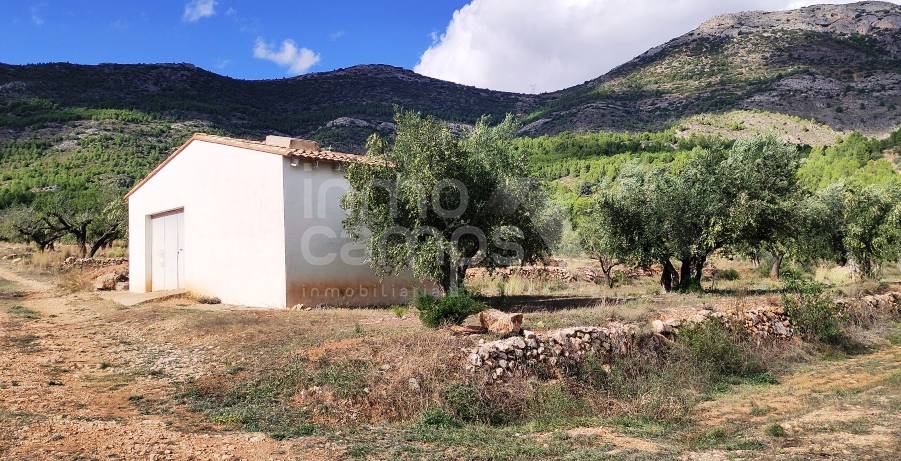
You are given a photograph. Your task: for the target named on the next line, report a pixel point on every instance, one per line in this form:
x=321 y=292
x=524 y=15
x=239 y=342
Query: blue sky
x=340 y=33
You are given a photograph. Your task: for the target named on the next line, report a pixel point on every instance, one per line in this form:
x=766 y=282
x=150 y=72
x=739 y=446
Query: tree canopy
x=720 y=199
x=440 y=203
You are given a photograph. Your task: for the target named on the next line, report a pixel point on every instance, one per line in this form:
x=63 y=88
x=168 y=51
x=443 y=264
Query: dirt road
x=75 y=385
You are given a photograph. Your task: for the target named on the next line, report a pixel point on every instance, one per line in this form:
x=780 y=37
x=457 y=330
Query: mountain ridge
x=750 y=60
x=835 y=64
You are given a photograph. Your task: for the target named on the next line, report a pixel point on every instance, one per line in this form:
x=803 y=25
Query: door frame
x=148 y=243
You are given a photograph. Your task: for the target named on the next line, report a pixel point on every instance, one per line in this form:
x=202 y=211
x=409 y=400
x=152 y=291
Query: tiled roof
x=285 y=151
x=258 y=146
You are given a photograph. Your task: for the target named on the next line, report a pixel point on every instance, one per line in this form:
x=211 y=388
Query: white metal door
x=167 y=251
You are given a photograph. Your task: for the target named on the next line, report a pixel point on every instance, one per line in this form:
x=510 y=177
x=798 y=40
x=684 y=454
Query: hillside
x=315 y=105
x=837 y=64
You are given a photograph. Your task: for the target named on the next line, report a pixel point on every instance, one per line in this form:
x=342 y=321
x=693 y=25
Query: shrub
x=436 y=417
x=497 y=406
x=452 y=308
x=727 y=274
x=720 y=351
x=775 y=430
x=812 y=311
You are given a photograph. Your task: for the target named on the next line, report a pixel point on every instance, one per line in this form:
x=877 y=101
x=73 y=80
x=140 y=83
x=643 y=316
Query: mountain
x=358 y=98
x=837 y=64
x=807 y=74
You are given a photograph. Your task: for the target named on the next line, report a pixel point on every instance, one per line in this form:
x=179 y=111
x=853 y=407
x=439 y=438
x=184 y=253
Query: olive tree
x=437 y=203
x=25 y=224
x=872 y=227
x=597 y=242
x=94 y=217
x=721 y=199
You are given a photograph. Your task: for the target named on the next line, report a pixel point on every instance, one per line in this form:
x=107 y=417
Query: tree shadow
x=545 y=303
x=735 y=292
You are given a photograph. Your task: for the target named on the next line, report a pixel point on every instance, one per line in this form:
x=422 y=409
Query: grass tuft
x=22 y=312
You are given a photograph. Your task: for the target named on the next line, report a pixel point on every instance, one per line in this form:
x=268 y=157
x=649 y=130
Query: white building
x=252 y=223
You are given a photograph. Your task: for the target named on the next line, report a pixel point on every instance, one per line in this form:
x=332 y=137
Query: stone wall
x=559 y=351
x=72 y=261
x=760 y=322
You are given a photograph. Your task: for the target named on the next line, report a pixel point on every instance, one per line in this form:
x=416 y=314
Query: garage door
x=167 y=251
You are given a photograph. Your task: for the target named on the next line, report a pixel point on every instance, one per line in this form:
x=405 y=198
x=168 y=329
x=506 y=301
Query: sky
x=513 y=45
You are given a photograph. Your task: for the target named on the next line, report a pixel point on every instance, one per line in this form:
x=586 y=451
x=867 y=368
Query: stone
x=500 y=322
x=106 y=282
x=659 y=327
x=121 y=286
x=413 y=384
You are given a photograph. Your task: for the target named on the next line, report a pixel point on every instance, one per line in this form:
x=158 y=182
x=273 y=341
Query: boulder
x=500 y=322
x=106 y=281
x=661 y=327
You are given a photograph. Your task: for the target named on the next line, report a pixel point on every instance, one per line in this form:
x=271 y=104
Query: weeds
x=775 y=430
x=22 y=312
x=399 y=311
x=722 y=439
x=346 y=379
x=727 y=274
x=813 y=312
x=439 y=418
x=74 y=281
x=722 y=353
x=262 y=404
x=759 y=411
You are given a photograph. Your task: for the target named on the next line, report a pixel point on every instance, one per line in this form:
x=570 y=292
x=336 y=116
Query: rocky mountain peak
x=853 y=18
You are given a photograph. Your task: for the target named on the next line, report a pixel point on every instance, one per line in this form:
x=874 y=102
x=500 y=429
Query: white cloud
x=297 y=60
x=36 y=17
x=539 y=45
x=195 y=10
x=337 y=35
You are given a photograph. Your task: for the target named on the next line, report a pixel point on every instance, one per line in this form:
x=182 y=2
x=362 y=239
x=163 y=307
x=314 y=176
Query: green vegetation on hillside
x=653 y=192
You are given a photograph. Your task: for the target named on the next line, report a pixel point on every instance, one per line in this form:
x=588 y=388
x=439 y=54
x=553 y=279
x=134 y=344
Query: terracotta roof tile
x=258 y=146
x=288 y=152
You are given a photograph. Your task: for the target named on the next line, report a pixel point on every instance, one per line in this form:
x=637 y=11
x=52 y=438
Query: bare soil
x=82 y=378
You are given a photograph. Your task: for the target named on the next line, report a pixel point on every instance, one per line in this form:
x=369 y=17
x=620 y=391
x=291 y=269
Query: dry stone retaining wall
x=558 y=351
x=93 y=262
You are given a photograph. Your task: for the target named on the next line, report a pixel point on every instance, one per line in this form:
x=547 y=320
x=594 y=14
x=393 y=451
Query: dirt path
x=74 y=385
x=29 y=284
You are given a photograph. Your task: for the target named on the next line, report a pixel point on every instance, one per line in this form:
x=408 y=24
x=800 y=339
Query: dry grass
x=75 y=281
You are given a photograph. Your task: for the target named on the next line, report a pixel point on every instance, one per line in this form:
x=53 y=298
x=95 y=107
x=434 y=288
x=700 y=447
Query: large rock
x=106 y=281
x=500 y=322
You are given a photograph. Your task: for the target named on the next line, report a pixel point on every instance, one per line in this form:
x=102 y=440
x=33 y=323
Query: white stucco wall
x=233 y=201
x=322 y=263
